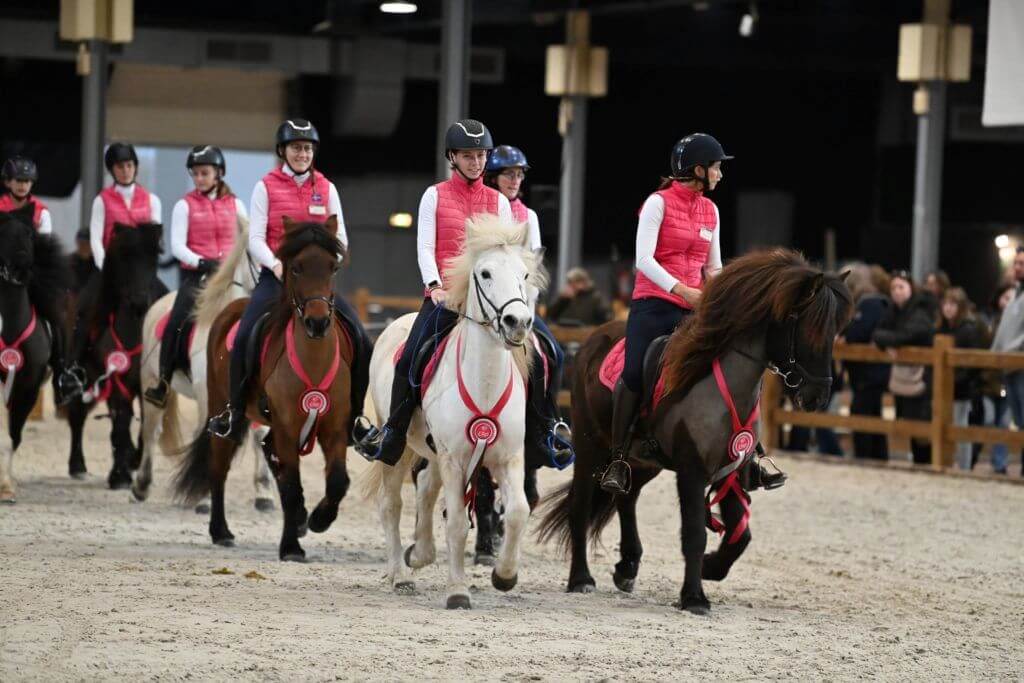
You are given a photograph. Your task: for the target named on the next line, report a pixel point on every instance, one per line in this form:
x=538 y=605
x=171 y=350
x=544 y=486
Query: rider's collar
x=299 y=177
x=125 y=191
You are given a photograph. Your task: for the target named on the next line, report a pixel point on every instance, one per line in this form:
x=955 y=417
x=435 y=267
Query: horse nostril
x=510 y=321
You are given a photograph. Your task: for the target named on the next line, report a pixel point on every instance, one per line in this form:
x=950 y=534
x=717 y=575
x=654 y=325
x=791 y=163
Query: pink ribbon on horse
x=314 y=401
x=11 y=357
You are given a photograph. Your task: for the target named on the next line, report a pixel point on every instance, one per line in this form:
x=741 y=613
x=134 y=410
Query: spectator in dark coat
x=908 y=322
x=578 y=303
x=868 y=381
x=959 y=322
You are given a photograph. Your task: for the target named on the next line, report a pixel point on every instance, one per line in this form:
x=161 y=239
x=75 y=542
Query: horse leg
x=452 y=476
x=221 y=452
x=152 y=421
x=517 y=512
x=76 y=413
x=530 y=487
x=389 y=505
x=486 y=519
x=423 y=551
x=336 y=485
x=21 y=406
x=717 y=563
x=583 y=495
x=264 y=501
x=293 y=506
x=630 y=548
x=690 y=486
x=120 y=476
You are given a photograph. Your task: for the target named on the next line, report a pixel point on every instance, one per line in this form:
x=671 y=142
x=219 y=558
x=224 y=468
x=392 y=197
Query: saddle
x=653 y=388
x=424 y=365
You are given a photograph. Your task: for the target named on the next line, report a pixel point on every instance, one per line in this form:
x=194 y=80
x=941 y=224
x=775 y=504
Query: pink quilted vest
x=212 y=224
x=458 y=200
x=7 y=204
x=520 y=211
x=116 y=211
x=684 y=242
x=306 y=202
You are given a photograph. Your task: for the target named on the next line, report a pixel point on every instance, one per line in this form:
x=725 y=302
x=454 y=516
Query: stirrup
x=770 y=480
x=617 y=478
x=559 y=445
x=158 y=395
x=70 y=383
x=224 y=425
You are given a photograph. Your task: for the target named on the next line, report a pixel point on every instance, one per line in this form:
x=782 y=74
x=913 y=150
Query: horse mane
x=129 y=245
x=51 y=276
x=750 y=293
x=214 y=295
x=483 y=232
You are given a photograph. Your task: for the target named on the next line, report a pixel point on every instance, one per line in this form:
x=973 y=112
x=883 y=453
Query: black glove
x=207 y=266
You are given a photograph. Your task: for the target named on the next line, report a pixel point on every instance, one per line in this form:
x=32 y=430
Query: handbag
x=907 y=380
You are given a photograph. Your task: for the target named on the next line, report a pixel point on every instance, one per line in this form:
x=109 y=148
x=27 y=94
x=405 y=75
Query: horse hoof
x=458 y=602
x=502 y=584
x=8 y=498
x=624 y=583
x=299 y=557
x=80 y=476
x=484 y=559
x=119 y=483
x=140 y=494
x=408 y=556
x=264 y=504
x=203 y=509
x=405 y=587
x=302 y=529
x=695 y=605
x=699 y=610
x=587 y=587
x=226 y=542
x=321 y=519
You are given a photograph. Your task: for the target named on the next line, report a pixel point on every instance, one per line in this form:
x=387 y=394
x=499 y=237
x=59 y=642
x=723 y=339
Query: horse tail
x=192 y=478
x=371 y=481
x=556 y=508
x=213 y=297
x=170 y=433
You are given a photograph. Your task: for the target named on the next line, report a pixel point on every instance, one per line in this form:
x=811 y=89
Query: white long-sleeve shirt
x=45 y=222
x=426 y=233
x=179 y=230
x=648 y=229
x=258 y=212
x=98 y=217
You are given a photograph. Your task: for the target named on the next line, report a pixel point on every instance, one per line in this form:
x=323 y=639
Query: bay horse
x=765 y=310
x=34 y=280
x=112 y=311
x=233 y=279
x=472 y=413
x=304 y=343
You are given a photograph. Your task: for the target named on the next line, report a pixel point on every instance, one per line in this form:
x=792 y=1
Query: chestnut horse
x=301 y=392
x=765 y=310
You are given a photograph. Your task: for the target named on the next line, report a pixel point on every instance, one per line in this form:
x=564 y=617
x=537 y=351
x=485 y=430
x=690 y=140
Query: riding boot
x=758 y=477
x=231 y=423
x=617 y=476
x=360 y=374
x=387 y=444
x=168 y=351
x=548 y=437
x=66 y=382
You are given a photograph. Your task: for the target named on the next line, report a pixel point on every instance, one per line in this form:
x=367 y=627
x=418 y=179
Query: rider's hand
x=278 y=271
x=438 y=296
x=690 y=295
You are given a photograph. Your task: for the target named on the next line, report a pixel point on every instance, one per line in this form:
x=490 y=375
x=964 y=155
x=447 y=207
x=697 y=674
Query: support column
x=453 y=94
x=931 y=129
x=94 y=114
x=570 y=206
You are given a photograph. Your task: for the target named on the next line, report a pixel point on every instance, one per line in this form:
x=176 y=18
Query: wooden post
x=362 y=301
x=771 y=398
x=942 y=402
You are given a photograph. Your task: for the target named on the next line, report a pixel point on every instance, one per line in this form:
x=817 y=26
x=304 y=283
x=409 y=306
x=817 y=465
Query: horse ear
x=289 y=224
x=539 y=253
x=843 y=275
x=331 y=224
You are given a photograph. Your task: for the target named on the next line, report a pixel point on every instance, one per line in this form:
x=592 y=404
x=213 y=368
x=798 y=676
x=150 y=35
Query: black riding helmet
x=118 y=152
x=697 y=149
x=467 y=134
x=295 y=130
x=206 y=154
x=20 y=168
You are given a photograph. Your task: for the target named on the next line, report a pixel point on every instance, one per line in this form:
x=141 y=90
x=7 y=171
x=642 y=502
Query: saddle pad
x=229 y=341
x=611 y=370
x=161 y=327
x=431 y=367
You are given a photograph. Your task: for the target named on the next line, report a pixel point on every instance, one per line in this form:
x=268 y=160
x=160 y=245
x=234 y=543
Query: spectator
x=578 y=303
x=935 y=285
x=958 y=321
x=994 y=411
x=1010 y=337
x=825 y=437
x=868 y=381
x=909 y=322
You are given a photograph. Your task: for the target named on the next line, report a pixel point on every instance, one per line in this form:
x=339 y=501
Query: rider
x=441 y=230
x=299 y=191
x=677 y=249
x=19 y=175
x=548 y=439
x=125 y=202
x=203 y=228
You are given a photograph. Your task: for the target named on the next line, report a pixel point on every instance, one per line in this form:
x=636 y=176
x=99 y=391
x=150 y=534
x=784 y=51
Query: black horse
x=108 y=341
x=33 y=286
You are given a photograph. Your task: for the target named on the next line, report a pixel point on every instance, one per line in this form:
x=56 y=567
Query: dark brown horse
x=765 y=310
x=303 y=338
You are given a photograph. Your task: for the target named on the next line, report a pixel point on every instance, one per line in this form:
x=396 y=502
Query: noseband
x=793 y=374
x=494 y=321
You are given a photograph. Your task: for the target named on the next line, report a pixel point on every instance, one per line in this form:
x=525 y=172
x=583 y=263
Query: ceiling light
x=397 y=7
x=749 y=21
x=400 y=220
x=1003 y=241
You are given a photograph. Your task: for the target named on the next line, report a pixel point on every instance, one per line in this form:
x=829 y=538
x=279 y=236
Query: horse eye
x=296 y=270
x=486 y=274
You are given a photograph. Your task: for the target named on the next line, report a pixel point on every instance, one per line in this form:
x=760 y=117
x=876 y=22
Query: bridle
x=494 y=321
x=793 y=374
x=7 y=274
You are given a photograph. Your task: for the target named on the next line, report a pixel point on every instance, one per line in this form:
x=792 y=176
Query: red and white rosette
x=11 y=359
x=483 y=429
x=314 y=403
x=315 y=400
x=118 y=362
x=741 y=444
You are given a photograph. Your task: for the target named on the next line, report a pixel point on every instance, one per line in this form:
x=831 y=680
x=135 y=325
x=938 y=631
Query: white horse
x=494 y=286
x=235 y=278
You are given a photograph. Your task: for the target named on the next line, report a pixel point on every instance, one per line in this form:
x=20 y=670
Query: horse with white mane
x=472 y=413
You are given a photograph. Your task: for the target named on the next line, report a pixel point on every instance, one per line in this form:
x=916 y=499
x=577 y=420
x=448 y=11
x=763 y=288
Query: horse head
x=311 y=255
x=17 y=256
x=496 y=279
x=130 y=266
